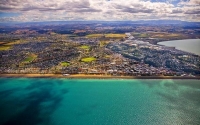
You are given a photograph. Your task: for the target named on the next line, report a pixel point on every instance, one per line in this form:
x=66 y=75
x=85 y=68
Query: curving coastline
x=83 y=76
x=184 y=45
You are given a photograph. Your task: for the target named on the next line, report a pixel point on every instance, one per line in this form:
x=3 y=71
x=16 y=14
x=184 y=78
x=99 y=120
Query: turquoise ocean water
x=35 y=101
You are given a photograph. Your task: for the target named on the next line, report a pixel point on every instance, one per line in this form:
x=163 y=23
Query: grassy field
x=8 y=45
x=30 y=58
x=110 y=35
x=64 y=64
x=94 y=35
x=159 y=35
x=107 y=56
x=71 y=35
x=85 y=47
x=143 y=35
x=88 y=59
x=103 y=43
x=166 y=35
x=13 y=43
x=5 y=47
x=115 y=35
x=140 y=35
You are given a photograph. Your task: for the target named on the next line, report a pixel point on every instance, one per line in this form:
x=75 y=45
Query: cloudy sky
x=109 y=10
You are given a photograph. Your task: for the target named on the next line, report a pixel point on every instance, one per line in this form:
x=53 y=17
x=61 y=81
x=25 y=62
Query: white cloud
x=44 y=10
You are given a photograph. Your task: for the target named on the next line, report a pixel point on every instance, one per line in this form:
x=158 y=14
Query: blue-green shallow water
x=25 y=101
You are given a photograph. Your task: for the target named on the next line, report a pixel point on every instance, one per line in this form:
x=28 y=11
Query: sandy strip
x=83 y=76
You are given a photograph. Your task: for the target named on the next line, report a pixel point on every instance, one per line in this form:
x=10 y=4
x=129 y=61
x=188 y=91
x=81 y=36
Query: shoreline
x=180 y=47
x=178 y=40
x=83 y=76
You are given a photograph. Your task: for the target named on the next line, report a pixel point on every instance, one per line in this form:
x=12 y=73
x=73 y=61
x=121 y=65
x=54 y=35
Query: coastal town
x=99 y=62
x=95 y=52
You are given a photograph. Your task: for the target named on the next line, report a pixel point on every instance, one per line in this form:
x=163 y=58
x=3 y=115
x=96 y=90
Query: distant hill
x=139 y=22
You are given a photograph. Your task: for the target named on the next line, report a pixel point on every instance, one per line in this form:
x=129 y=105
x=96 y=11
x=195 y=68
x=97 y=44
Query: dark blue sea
x=40 y=101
